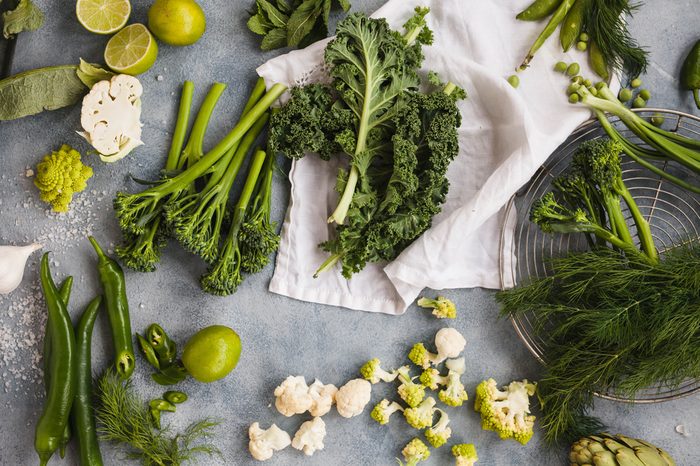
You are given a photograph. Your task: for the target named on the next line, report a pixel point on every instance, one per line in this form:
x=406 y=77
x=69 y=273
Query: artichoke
x=617 y=450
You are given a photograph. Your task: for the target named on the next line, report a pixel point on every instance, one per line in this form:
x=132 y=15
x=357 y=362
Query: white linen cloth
x=506 y=134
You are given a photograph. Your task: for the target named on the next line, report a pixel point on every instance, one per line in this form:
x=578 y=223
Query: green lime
x=103 y=16
x=133 y=50
x=177 y=22
x=212 y=353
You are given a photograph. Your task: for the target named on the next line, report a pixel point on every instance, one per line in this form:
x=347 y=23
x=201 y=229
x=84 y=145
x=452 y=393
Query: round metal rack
x=673 y=214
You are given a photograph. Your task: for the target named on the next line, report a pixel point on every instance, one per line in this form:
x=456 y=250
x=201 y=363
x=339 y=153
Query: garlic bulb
x=12 y=262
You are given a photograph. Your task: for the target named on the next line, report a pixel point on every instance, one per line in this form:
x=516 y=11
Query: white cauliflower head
x=309 y=437
x=449 y=343
x=292 y=396
x=352 y=397
x=322 y=396
x=263 y=443
x=111 y=115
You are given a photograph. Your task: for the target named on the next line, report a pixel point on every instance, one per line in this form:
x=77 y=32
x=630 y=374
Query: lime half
x=133 y=50
x=103 y=16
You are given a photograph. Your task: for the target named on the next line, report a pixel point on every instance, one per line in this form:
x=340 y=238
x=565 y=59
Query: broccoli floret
x=409 y=391
x=383 y=411
x=373 y=372
x=142 y=252
x=421 y=356
x=431 y=378
x=442 y=307
x=454 y=393
x=507 y=411
x=465 y=454
x=415 y=452
x=60 y=175
x=421 y=416
x=440 y=433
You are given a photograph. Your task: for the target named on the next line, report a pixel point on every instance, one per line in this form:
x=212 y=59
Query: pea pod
x=690 y=72
x=82 y=414
x=597 y=61
x=556 y=19
x=539 y=9
x=571 y=27
x=62 y=375
x=117 y=305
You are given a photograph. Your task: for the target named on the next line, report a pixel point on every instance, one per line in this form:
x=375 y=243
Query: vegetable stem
x=327 y=264
x=183 y=116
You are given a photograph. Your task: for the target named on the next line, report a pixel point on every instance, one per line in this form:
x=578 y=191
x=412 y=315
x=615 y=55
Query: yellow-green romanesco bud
x=465 y=454
x=507 y=411
x=60 y=175
x=373 y=372
x=415 y=451
x=383 y=411
x=442 y=307
x=441 y=432
x=409 y=391
x=421 y=416
x=421 y=356
x=454 y=393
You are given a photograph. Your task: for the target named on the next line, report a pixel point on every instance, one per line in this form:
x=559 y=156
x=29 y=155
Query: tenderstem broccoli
x=224 y=275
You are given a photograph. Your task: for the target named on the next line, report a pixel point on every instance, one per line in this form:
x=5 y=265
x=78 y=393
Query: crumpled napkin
x=506 y=134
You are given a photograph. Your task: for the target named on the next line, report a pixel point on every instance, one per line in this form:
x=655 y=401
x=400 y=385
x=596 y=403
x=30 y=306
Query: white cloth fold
x=506 y=134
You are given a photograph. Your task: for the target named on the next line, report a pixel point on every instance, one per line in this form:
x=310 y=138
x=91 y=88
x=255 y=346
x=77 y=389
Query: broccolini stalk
x=194 y=150
x=224 y=276
x=136 y=210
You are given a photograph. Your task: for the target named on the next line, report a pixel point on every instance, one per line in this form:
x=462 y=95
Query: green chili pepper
x=162 y=405
x=162 y=379
x=82 y=415
x=54 y=418
x=175 y=397
x=597 y=61
x=112 y=278
x=573 y=23
x=690 y=72
x=539 y=9
x=162 y=344
x=148 y=351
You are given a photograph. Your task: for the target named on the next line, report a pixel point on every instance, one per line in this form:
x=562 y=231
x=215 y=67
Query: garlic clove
x=13 y=260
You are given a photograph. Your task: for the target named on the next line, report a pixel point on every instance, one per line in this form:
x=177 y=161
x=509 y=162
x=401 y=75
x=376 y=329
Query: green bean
x=117 y=305
x=514 y=81
x=597 y=61
x=548 y=30
x=62 y=376
x=175 y=397
x=572 y=24
x=539 y=9
x=82 y=414
x=573 y=69
x=560 y=67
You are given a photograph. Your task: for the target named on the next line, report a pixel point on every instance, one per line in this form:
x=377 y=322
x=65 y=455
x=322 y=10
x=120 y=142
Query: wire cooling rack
x=673 y=214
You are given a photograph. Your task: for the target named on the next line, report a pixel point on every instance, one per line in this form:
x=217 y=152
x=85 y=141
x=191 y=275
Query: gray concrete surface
x=280 y=336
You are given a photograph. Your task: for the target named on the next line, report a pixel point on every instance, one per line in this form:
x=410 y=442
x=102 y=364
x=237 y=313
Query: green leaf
x=284 y=7
x=302 y=21
x=92 y=74
x=276 y=17
x=274 y=39
x=26 y=17
x=259 y=24
x=41 y=89
x=326 y=11
x=344 y=4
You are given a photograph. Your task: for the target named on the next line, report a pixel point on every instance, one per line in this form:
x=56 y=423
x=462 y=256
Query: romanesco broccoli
x=421 y=416
x=414 y=452
x=383 y=411
x=442 y=307
x=373 y=372
x=440 y=433
x=409 y=391
x=60 y=175
x=421 y=356
x=431 y=378
x=506 y=412
x=454 y=393
x=465 y=454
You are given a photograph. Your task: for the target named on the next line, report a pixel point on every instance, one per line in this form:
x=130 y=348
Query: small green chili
x=175 y=397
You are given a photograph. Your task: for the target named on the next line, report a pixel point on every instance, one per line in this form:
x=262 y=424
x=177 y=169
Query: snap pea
x=82 y=414
x=62 y=376
x=690 y=72
x=556 y=19
x=539 y=9
x=597 y=61
x=573 y=23
x=117 y=305
x=175 y=397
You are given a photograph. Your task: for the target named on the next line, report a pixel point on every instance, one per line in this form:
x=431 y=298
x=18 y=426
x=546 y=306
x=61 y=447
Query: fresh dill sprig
x=123 y=418
x=610 y=323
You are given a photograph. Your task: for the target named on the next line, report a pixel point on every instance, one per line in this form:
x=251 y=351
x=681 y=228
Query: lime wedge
x=103 y=16
x=133 y=50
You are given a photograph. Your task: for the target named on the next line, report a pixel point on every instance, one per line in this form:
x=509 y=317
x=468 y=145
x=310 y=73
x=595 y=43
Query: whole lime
x=177 y=22
x=212 y=353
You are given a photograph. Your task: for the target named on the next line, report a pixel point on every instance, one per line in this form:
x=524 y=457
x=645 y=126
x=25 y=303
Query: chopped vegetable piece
x=60 y=175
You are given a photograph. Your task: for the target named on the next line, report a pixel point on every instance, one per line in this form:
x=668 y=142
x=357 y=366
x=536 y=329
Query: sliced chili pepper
x=175 y=397
x=147 y=351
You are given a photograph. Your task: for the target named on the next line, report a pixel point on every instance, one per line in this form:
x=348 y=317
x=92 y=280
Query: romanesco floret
x=383 y=411
x=421 y=416
x=440 y=433
x=465 y=454
x=60 y=175
x=454 y=393
x=373 y=372
x=414 y=452
x=409 y=391
x=442 y=307
x=507 y=411
x=431 y=378
x=421 y=356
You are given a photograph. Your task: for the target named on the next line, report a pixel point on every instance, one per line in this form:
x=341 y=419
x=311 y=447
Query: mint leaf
x=302 y=21
x=344 y=4
x=274 y=39
x=26 y=17
x=258 y=24
x=276 y=17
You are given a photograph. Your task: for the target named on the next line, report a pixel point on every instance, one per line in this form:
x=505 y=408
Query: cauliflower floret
x=506 y=412
x=352 y=397
x=414 y=452
x=322 y=396
x=310 y=435
x=110 y=117
x=293 y=397
x=383 y=410
x=442 y=307
x=465 y=454
x=440 y=433
x=421 y=416
x=263 y=443
x=373 y=372
x=449 y=343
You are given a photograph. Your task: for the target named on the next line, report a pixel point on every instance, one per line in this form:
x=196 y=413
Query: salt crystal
x=29 y=173
x=681 y=429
